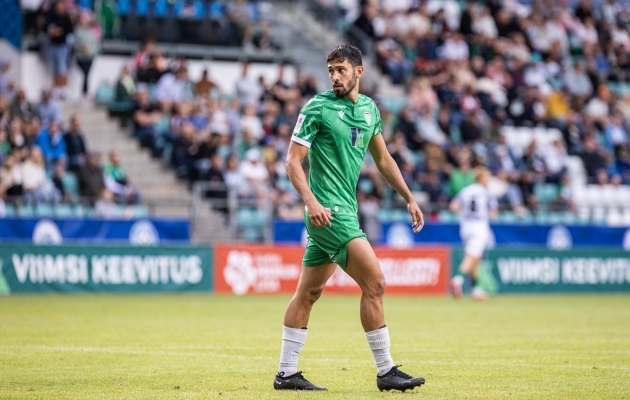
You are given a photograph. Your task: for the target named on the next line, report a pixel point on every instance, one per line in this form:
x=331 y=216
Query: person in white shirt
x=477 y=206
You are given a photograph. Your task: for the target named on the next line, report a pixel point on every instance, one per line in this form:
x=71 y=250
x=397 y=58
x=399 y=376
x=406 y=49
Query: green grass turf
x=216 y=347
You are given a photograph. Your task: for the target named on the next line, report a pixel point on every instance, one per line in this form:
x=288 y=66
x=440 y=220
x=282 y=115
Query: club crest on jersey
x=340 y=114
x=368 y=117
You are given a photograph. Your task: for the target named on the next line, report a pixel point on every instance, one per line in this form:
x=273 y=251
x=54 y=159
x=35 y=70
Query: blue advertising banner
x=143 y=232
x=557 y=237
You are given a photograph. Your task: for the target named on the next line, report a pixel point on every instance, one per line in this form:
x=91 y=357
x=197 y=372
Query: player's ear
x=359 y=71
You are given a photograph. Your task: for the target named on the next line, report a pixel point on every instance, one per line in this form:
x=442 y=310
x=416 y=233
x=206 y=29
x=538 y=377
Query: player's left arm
x=389 y=170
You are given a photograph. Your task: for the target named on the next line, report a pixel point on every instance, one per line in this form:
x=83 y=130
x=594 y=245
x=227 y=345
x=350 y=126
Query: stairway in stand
x=166 y=196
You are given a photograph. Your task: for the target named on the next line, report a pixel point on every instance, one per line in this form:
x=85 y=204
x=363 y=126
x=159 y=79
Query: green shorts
x=330 y=244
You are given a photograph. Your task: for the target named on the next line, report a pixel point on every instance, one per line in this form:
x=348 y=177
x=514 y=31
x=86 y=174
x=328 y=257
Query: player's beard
x=344 y=90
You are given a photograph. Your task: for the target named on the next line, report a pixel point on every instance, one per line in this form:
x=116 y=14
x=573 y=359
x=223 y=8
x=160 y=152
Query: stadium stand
x=537 y=92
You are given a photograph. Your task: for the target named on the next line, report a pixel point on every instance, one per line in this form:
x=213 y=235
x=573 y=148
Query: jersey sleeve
x=308 y=123
x=378 y=125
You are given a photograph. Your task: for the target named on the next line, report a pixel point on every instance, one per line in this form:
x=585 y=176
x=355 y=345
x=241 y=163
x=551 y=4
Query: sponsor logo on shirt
x=298 y=124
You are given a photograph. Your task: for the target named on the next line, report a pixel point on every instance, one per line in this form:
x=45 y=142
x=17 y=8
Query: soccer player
x=476 y=205
x=335 y=129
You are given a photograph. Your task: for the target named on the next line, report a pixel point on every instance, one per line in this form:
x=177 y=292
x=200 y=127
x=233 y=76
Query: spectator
x=255 y=174
x=91 y=177
x=21 y=108
x=593 y=158
x=36 y=185
x=174 y=87
x=577 y=82
x=5 y=145
x=75 y=145
x=455 y=48
x=555 y=160
x=146 y=117
x=48 y=109
x=234 y=177
x=116 y=181
x=7 y=82
x=461 y=176
x=615 y=132
x=251 y=123
x=125 y=86
x=52 y=144
x=206 y=87
x=248 y=90
x=11 y=177
x=59 y=28
x=106 y=208
x=365 y=23
x=86 y=46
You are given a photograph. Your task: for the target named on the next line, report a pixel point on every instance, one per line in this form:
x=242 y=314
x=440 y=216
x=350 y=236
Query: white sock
x=292 y=341
x=378 y=341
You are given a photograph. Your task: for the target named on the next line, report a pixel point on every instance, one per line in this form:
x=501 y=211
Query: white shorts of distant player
x=477 y=238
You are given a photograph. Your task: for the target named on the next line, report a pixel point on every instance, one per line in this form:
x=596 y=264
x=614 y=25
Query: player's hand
x=319 y=215
x=417 y=219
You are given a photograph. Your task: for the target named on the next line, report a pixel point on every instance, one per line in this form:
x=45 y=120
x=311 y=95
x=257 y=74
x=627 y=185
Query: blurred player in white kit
x=477 y=206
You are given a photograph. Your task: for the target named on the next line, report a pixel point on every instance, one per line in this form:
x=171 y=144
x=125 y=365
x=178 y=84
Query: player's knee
x=313 y=294
x=376 y=288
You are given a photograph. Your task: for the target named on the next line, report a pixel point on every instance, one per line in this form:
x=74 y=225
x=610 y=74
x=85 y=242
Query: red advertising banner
x=242 y=269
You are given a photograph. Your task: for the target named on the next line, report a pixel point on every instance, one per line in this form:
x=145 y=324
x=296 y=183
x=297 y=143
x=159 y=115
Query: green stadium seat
x=542 y=217
x=63 y=211
x=448 y=217
x=140 y=211
x=79 y=211
x=252 y=235
x=385 y=215
x=546 y=193
x=507 y=217
x=44 y=210
x=9 y=210
x=104 y=95
x=71 y=184
x=25 y=211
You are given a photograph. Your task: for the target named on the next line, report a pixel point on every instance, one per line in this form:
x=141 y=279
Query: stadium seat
x=614 y=217
x=625 y=217
x=142 y=8
x=546 y=193
x=507 y=217
x=252 y=235
x=447 y=217
x=71 y=185
x=161 y=8
x=140 y=211
x=44 y=210
x=79 y=211
x=384 y=216
x=104 y=95
x=86 y=4
x=124 y=7
x=63 y=211
x=25 y=211
x=598 y=216
x=9 y=210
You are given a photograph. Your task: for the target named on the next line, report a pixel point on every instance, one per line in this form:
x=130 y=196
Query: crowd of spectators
x=69 y=31
x=38 y=156
x=239 y=139
x=469 y=72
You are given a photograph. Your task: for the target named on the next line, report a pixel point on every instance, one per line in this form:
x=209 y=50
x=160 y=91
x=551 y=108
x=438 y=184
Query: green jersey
x=337 y=132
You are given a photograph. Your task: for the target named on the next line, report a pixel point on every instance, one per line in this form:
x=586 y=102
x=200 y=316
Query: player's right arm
x=317 y=213
x=304 y=133
x=455 y=205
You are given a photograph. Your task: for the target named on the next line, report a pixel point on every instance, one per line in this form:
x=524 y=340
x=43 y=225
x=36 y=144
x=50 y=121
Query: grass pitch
x=215 y=347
